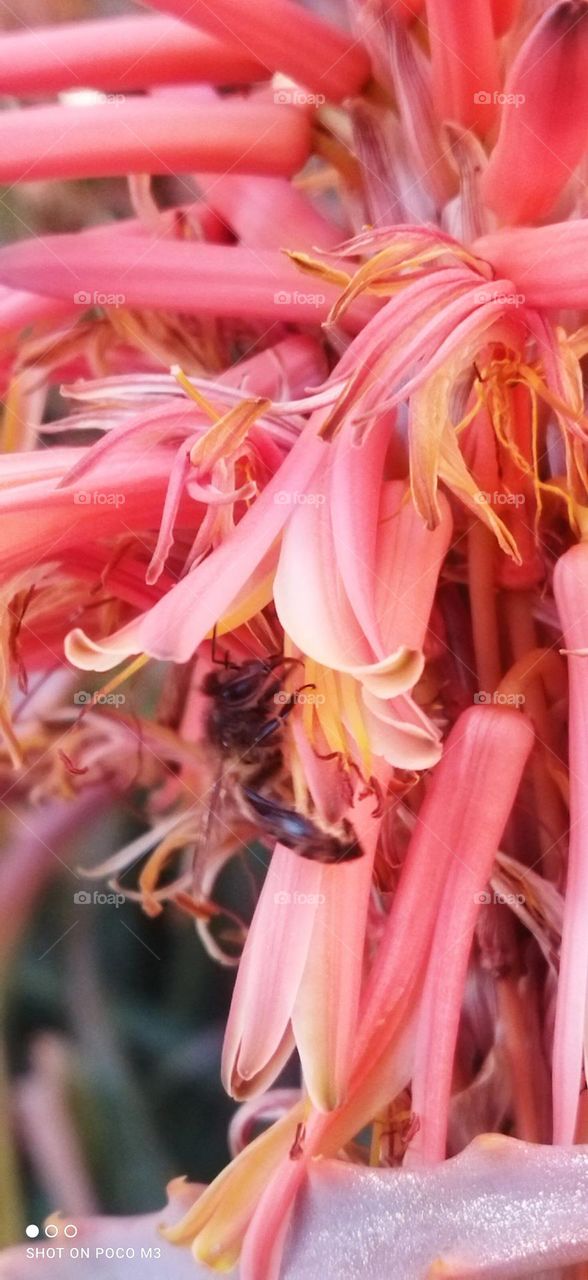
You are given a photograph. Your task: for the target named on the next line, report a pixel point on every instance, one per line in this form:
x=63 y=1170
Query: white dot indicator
x=32 y=1230
x=51 y=1230
x=70 y=1230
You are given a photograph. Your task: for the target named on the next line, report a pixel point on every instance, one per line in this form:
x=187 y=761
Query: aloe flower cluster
x=312 y=415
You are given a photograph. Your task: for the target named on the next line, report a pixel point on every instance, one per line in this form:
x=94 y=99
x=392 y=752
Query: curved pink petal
x=257 y=1039
x=547 y=264
x=464 y=61
x=286 y=39
x=324 y=1018
x=510 y=738
x=149 y=135
x=326 y=628
x=400 y=733
x=174 y=627
x=269 y=212
x=187 y=276
x=355 y=481
x=571 y=593
x=543 y=145
x=123 y=53
x=379 y=641
x=408 y=560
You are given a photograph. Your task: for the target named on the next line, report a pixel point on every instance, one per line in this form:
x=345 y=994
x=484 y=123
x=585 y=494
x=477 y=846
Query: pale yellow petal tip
x=222 y=1262
x=442 y=1267
x=490 y=1142
x=54 y=1219
x=174 y=1235
x=84 y=653
x=176 y=1186
x=394 y=675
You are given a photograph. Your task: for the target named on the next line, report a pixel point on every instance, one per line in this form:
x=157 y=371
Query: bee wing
x=209 y=836
x=214 y=846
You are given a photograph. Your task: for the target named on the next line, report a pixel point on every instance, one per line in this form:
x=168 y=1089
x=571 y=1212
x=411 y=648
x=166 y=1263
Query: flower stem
x=481 y=570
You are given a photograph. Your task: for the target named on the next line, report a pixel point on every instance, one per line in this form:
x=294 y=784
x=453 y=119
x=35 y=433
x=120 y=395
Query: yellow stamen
x=135 y=665
x=229 y=431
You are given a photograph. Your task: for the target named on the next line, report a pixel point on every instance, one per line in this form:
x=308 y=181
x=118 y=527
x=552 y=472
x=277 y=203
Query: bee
x=248 y=709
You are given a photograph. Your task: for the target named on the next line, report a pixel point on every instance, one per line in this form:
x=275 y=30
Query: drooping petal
x=217 y=1222
x=408 y=561
x=177 y=623
x=356 y=477
x=458 y=817
x=464 y=61
x=340 y=74
x=269 y=212
x=547 y=264
x=258 y=1037
x=571 y=592
x=376 y=602
x=543 y=145
x=120 y=53
x=400 y=733
x=186 y=276
x=150 y=136
x=325 y=1012
x=327 y=629
x=509 y=739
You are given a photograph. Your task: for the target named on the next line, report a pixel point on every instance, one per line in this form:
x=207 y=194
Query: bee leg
x=372 y=788
x=271 y=726
x=220 y=662
x=379 y=796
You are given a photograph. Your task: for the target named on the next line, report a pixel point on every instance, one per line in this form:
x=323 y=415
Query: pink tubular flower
x=308 y=975
x=486 y=752
x=343 y=72
x=155 y=137
x=463 y=56
x=122 y=53
x=211 y=280
x=546 y=146
x=571 y=584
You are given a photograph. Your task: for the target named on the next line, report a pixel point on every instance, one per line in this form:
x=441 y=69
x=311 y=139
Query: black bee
x=248 y=708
